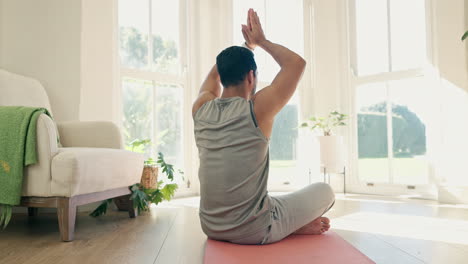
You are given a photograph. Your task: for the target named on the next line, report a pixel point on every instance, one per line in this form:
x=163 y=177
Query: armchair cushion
x=95 y=134
x=86 y=170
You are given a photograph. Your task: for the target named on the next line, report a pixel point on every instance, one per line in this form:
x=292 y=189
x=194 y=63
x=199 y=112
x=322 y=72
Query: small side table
x=325 y=174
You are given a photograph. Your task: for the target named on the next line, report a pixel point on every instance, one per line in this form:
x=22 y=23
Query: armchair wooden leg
x=66 y=212
x=132 y=212
x=32 y=211
x=124 y=203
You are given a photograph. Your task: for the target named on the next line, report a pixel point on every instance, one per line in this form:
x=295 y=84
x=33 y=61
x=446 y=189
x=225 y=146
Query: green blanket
x=17 y=150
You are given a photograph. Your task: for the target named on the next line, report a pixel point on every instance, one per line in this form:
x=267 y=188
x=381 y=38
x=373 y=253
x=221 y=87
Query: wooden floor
x=388 y=230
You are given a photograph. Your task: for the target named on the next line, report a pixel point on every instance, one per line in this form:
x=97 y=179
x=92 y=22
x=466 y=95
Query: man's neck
x=234 y=91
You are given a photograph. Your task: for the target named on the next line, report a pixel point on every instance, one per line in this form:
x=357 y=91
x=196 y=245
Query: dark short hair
x=234 y=63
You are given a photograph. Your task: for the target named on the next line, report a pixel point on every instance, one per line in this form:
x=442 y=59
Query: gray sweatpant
x=293 y=211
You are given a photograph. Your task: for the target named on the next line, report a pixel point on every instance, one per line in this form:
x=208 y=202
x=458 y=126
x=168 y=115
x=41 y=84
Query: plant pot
x=149 y=179
x=332 y=153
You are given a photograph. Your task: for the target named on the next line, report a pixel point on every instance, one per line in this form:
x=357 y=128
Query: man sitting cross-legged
x=233 y=125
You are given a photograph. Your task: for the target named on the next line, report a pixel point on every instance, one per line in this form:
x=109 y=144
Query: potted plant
x=331 y=146
x=149 y=190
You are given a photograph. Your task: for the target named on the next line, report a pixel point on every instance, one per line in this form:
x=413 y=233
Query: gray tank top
x=233 y=173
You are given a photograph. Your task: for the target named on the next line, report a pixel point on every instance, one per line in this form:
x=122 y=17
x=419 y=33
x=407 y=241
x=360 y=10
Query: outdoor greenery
x=408 y=133
x=134 y=51
x=326 y=124
x=159 y=119
x=137 y=110
x=151 y=110
x=284 y=134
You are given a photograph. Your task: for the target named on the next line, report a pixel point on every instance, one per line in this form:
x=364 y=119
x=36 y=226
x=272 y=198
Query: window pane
x=137 y=98
x=134 y=28
x=371 y=37
x=408 y=31
x=283 y=146
x=287 y=31
x=410 y=116
x=372 y=133
x=285 y=28
x=154 y=116
x=168 y=124
x=165 y=27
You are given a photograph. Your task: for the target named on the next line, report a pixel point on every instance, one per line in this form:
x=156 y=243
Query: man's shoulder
x=203 y=98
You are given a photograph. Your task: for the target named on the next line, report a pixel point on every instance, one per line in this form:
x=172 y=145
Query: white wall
x=41 y=39
x=327 y=61
x=99 y=86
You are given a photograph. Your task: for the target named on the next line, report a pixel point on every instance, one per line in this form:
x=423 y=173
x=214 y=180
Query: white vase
x=332 y=153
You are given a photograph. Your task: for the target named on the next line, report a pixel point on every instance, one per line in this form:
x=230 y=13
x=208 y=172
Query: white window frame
x=353 y=81
x=181 y=80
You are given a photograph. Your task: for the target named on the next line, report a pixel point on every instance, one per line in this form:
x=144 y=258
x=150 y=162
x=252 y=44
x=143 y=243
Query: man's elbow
x=301 y=63
x=298 y=63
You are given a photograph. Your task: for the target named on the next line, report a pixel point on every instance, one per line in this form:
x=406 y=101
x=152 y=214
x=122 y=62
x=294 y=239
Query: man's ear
x=251 y=77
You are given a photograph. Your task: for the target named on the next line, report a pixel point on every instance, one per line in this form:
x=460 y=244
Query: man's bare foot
x=316 y=227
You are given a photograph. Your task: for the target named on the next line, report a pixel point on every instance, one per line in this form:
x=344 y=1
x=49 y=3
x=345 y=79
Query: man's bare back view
x=233 y=125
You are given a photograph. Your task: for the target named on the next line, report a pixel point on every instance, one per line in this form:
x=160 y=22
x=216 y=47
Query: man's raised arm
x=271 y=99
x=210 y=89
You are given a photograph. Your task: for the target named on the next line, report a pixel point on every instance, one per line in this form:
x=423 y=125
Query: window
x=392 y=91
x=152 y=42
x=289 y=32
x=390 y=35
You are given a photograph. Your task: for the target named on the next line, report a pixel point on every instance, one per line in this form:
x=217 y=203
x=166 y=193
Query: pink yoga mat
x=328 y=248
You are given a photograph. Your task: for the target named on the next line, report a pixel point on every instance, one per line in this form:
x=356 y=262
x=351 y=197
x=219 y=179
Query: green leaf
x=2 y=213
x=168 y=191
x=5 y=215
x=140 y=142
x=150 y=162
x=140 y=198
x=138 y=145
x=465 y=36
x=156 y=197
x=8 y=216
x=101 y=209
x=304 y=124
x=167 y=168
x=149 y=191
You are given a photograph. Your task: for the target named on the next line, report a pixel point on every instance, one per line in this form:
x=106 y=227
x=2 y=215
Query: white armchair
x=90 y=165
